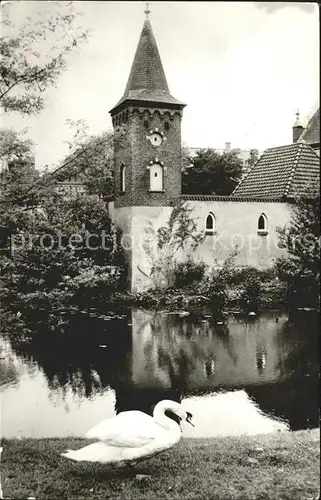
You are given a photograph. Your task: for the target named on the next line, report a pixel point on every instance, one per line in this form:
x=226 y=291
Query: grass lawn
x=284 y=465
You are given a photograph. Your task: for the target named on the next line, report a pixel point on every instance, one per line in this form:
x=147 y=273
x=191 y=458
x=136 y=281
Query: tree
x=66 y=253
x=186 y=157
x=178 y=236
x=300 y=268
x=18 y=168
x=25 y=73
x=17 y=175
x=212 y=173
x=90 y=161
x=57 y=237
x=254 y=156
x=62 y=251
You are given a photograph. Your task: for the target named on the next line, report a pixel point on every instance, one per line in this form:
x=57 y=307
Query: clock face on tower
x=156 y=139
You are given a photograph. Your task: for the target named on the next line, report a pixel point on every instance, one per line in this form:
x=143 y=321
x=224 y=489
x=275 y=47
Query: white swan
x=132 y=436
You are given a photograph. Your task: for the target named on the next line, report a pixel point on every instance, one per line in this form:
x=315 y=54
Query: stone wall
x=139 y=226
x=236 y=225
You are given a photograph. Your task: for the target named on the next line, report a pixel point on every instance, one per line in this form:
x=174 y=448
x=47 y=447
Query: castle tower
x=147 y=148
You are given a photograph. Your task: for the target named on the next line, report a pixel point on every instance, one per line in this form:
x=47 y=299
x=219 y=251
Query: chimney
x=297 y=128
x=227 y=146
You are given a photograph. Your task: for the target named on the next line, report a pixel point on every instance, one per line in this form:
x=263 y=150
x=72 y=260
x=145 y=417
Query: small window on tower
x=156 y=173
x=122 y=179
x=166 y=126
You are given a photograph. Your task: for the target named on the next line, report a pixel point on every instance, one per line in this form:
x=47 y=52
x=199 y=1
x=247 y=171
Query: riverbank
x=283 y=465
x=241 y=290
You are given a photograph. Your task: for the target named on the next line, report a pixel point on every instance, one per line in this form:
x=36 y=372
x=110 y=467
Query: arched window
x=122 y=178
x=210 y=225
x=262 y=226
x=156 y=177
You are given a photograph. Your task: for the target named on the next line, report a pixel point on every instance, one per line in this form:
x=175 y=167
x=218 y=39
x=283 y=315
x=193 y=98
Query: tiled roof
x=147 y=80
x=281 y=172
x=311 y=134
x=230 y=199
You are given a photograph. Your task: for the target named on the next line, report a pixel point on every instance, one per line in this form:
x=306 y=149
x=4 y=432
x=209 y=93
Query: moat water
x=239 y=375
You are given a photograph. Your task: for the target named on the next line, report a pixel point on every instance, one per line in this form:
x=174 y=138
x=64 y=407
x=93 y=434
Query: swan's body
x=132 y=436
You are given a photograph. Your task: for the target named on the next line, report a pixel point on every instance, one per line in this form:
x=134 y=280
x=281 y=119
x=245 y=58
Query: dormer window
x=262 y=225
x=210 y=225
x=122 y=179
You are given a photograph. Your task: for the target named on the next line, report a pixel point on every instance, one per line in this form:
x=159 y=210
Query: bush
x=302 y=285
x=186 y=273
x=239 y=276
x=63 y=275
x=216 y=280
x=251 y=296
x=273 y=292
x=248 y=287
x=93 y=284
x=300 y=268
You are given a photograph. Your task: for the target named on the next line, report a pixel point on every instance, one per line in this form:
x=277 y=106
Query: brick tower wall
x=134 y=150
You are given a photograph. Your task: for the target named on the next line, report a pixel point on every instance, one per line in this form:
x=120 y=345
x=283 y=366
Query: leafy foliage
x=67 y=253
x=62 y=251
x=212 y=173
x=18 y=172
x=187 y=273
x=181 y=230
x=300 y=268
x=90 y=161
x=254 y=156
x=180 y=234
x=216 y=280
x=25 y=72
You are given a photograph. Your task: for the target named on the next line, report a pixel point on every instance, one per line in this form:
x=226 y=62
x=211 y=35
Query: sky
x=242 y=68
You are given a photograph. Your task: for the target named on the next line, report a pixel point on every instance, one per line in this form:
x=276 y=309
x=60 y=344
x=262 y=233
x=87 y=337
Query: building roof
x=227 y=198
x=282 y=172
x=147 y=81
x=311 y=134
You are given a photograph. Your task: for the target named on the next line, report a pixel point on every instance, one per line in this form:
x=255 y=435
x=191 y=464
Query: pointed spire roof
x=147 y=81
x=147 y=70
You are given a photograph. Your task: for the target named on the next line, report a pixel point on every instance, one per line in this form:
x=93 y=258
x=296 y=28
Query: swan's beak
x=189 y=418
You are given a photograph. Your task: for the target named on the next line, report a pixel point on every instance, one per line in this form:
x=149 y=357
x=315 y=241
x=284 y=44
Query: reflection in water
x=261 y=359
x=9 y=374
x=229 y=412
x=296 y=395
x=170 y=351
x=209 y=367
x=66 y=384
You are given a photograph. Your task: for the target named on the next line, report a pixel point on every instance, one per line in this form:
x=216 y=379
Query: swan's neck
x=166 y=422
